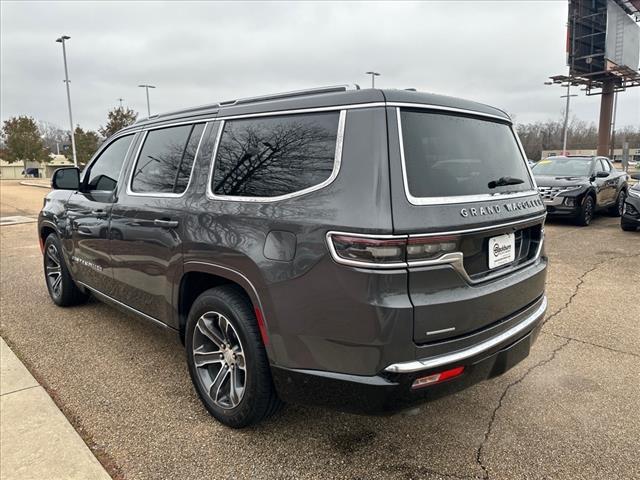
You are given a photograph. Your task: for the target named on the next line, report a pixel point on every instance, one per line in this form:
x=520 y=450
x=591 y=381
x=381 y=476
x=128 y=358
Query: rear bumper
x=391 y=390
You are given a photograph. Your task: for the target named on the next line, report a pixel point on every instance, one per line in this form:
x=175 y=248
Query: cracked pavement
x=570 y=410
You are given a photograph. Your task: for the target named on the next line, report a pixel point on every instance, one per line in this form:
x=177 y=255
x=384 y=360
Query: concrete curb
x=37 y=440
x=30 y=183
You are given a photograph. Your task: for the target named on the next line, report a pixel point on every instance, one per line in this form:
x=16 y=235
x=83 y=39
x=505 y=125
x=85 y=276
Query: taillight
x=426 y=248
x=369 y=250
x=389 y=252
x=436 y=377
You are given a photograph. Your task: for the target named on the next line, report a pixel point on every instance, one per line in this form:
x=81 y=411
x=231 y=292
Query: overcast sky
x=498 y=53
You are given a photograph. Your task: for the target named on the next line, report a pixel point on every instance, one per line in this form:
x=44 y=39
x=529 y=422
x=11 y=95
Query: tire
x=628 y=227
x=62 y=289
x=616 y=209
x=586 y=211
x=224 y=349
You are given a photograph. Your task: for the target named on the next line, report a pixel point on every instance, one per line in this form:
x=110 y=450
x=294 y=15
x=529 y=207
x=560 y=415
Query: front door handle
x=158 y=222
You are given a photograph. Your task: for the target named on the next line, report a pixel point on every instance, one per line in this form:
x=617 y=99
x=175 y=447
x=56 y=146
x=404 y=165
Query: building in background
x=16 y=170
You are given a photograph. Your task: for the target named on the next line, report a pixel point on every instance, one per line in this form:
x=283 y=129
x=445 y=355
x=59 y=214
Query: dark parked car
x=360 y=249
x=630 y=219
x=576 y=186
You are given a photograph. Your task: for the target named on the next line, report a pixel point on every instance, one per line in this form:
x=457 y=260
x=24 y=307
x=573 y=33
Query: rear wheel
x=62 y=289
x=616 y=210
x=227 y=360
x=586 y=211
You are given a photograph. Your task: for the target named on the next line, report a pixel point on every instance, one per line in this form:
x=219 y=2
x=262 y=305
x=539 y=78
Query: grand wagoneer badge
x=495 y=209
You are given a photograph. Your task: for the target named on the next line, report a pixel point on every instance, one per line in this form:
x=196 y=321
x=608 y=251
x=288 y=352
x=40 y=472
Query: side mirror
x=602 y=174
x=67 y=178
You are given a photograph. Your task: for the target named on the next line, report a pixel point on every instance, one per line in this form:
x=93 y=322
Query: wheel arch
x=198 y=277
x=44 y=230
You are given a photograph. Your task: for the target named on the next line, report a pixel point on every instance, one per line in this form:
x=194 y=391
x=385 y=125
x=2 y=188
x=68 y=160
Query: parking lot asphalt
x=569 y=411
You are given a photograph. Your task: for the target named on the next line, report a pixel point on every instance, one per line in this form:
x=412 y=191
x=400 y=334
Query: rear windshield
x=564 y=167
x=452 y=155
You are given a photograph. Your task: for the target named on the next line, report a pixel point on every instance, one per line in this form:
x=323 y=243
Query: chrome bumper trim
x=460 y=355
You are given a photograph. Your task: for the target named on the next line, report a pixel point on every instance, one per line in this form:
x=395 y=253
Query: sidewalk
x=36 y=440
x=43 y=183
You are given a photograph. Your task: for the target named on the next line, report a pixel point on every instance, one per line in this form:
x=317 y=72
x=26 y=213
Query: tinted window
x=450 y=155
x=564 y=167
x=166 y=158
x=268 y=157
x=105 y=170
x=605 y=165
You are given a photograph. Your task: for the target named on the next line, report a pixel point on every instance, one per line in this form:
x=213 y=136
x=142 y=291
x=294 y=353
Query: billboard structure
x=603 y=43
x=603 y=50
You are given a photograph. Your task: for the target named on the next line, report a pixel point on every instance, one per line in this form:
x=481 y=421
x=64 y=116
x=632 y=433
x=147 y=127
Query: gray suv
x=359 y=249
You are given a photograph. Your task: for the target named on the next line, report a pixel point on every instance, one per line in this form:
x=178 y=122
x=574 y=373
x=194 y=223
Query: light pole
x=565 y=128
x=120 y=100
x=373 y=78
x=147 y=87
x=66 y=80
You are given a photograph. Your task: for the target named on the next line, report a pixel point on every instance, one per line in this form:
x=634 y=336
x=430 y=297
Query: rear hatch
x=461 y=182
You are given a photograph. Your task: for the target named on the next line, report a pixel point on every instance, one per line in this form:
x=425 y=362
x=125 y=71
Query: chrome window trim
x=124 y=305
x=430 y=106
x=130 y=191
x=525 y=158
x=99 y=153
x=453 y=199
x=466 y=353
x=337 y=162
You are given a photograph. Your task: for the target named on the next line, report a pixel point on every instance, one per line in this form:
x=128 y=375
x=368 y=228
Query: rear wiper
x=503 y=181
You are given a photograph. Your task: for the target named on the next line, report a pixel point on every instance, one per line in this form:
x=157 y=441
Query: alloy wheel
x=588 y=211
x=54 y=270
x=219 y=359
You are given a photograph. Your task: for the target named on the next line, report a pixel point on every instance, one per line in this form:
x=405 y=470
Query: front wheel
x=586 y=211
x=62 y=289
x=227 y=360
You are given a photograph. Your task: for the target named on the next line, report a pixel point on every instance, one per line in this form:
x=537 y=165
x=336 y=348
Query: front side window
x=104 y=171
x=165 y=161
x=453 y=155
x=274 y=156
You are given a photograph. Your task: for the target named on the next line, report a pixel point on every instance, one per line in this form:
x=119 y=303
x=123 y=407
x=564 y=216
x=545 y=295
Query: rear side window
x=166 y=160
x=451 y=155
x=104 y=171
x=274 y=156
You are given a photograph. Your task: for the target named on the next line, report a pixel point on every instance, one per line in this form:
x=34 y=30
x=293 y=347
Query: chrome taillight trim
x=355 y=263
x=453 y=259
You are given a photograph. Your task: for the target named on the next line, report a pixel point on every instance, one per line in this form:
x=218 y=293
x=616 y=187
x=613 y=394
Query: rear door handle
x=158 y=222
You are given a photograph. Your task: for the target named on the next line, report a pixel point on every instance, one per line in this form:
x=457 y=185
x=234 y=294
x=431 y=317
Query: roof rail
x=296 y=93
x=262 y=98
